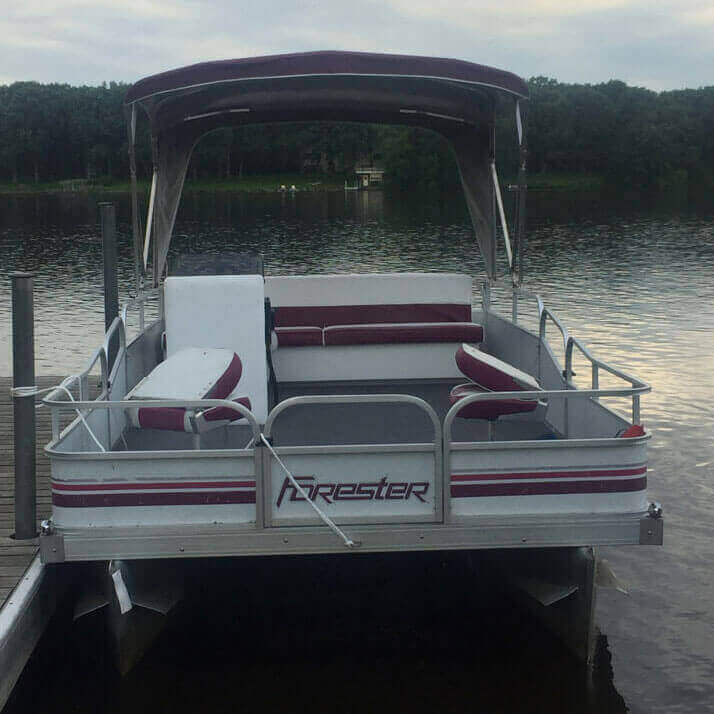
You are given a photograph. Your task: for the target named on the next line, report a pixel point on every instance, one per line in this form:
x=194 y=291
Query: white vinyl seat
x=191 y=373
x=222 y=312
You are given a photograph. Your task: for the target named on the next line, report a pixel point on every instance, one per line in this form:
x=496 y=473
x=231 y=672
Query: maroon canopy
x=453 y=97
x=305 y=64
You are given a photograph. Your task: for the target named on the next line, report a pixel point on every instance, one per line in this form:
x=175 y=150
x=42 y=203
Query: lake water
x=633 y=280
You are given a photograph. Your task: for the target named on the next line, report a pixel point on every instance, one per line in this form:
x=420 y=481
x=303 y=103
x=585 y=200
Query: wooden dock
x=29 y=591
x=16 y=556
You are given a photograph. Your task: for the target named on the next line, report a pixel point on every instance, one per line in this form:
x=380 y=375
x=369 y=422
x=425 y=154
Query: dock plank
x=16 y=556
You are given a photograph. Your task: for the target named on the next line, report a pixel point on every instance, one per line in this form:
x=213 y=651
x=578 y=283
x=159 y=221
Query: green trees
x=50 y=132
x=632 y=137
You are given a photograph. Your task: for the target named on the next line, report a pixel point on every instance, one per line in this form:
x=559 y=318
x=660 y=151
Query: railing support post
x=23 y=373
x=635 y=408
x=111 y=288
x=596 y=378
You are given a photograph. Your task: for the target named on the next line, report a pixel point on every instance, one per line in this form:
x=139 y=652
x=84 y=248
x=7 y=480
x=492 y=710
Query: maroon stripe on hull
x=131 y=486
x=109 y=500
x=548 y=488
x=551 y=474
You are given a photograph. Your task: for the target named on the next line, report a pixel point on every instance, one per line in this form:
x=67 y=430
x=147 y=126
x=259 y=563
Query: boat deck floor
x=356 y=423
x=389 y=423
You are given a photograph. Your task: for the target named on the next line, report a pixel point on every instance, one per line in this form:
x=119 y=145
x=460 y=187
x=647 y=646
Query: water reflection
x=318 y=634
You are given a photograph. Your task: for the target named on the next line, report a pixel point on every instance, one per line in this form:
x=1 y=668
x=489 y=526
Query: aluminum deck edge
x=230 y=541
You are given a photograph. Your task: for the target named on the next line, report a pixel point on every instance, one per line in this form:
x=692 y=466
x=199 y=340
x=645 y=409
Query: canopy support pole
x=135 y=228
x=522 y=192
x=494 y=229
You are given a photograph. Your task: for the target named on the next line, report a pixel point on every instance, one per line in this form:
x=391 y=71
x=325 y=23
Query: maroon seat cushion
x=227 y=382
x=221 y=413
x=168 y=418
x=382 y=334
x=175 y=418
x=299 y=336
x=488 y=408
x=325 y=315
x=492 y=373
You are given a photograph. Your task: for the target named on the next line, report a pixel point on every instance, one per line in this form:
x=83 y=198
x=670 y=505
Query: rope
x=34 y=390
x=323 y=516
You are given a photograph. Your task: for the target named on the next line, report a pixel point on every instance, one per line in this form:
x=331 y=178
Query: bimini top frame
x=455 y=98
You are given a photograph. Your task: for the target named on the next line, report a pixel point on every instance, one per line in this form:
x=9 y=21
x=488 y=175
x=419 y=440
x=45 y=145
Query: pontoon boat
x=351 y=413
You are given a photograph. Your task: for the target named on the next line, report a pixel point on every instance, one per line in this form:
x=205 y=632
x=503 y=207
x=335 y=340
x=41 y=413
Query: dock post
x=111 y=289
x=23 y=372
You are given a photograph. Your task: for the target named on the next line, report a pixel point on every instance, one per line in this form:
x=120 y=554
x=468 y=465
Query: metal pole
x=522 y=191
x=111 y=289
x=135 y=218
x=23 y=373
x=494 y=224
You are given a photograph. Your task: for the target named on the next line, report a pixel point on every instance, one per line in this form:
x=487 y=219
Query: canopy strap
x=150 y=218
x=502 y=215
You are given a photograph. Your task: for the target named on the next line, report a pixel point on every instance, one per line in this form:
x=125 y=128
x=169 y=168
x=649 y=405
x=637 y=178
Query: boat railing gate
x=354 y=399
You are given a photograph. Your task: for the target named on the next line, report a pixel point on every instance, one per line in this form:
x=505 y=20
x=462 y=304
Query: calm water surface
x=634 y=281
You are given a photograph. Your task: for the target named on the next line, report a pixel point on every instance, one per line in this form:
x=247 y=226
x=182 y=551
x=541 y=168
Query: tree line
x=626 y=135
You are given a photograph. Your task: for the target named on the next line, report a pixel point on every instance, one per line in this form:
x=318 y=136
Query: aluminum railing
x=118 y=326
x=519 y=293
x=106 y=375
x=639 y=387
x=570 y=343
x=544 y=395
x=139 y=302
x=355 y=399
x=91 y=405
x=102 y=352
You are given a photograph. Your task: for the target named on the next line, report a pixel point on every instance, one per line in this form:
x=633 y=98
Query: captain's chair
x=490 y=374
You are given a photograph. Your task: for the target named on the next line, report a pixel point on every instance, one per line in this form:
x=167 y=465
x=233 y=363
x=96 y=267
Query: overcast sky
x=660 y=44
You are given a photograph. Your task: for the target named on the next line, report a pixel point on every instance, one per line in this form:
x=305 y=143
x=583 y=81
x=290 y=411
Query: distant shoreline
x=273 y=183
